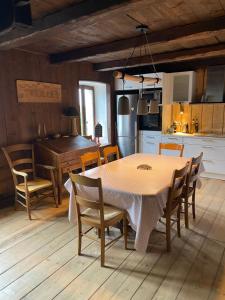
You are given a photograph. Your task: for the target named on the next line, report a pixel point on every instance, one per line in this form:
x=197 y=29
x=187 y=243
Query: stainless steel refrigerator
x=126 y=127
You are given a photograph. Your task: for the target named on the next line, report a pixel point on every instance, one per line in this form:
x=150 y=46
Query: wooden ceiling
x=42 y=8
x=104 y=34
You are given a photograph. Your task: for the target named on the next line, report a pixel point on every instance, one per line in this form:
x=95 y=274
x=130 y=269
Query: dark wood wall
x=18 y=122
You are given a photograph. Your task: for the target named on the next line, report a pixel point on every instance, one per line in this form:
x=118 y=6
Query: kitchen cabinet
x=213 y=154
x=213 y=149
x=149 y=141
x=179 y=87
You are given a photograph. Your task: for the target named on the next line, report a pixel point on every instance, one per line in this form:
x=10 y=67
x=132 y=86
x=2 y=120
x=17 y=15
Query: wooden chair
x=173 y=147
x=190 y=187
x=173 y=204
x=90 y=158
x=96 y=214
x=27 y=185
x=110 y=151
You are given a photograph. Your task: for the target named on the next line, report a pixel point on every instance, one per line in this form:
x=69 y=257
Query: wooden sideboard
x=64 y=154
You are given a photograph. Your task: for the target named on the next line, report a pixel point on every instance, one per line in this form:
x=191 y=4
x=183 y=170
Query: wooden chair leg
x=186 y=212
x=28 y=206
x=79 y=227
x=168 y=238
x=55 y=192
x=16 y=198
x=102 y=247
x=178 y=220
x=193 y=204
x=125 y=232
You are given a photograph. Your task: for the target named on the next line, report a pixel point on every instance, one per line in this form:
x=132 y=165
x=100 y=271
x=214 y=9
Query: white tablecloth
x=142 y=193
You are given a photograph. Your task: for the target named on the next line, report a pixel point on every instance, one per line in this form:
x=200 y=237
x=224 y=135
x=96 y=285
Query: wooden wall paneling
x=186 y=117
x=223 y=132
x=218 y=118
x=18 y=121
x=196 y=113
x=167 y=117
x=176 y=112
x=207 y=118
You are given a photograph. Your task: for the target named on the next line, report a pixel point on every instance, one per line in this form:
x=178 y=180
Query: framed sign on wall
x=38 y=92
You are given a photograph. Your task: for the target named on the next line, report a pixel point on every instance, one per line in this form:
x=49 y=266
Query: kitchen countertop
x=195 y=135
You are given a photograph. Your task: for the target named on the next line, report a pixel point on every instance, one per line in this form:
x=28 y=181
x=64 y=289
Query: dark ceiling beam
x=18 y=37
x=180 y=55
x=187 y=31
x=178 y=66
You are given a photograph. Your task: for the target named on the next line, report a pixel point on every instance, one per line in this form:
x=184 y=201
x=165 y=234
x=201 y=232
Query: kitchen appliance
x=152 y=121
x=126 y=125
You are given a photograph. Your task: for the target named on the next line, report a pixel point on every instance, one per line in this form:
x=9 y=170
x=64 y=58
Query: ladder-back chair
x=27 y=185
x=95 y=213
x=172 y=147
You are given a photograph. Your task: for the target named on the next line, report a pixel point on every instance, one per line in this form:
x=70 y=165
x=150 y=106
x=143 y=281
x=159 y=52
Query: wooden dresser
x=64 y=154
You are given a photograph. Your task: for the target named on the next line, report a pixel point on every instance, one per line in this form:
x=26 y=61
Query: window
x=87 y=112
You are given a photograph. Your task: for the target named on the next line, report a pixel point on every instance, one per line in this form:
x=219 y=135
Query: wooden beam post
x=196 y=30
x=180 y=55
x=85 y=9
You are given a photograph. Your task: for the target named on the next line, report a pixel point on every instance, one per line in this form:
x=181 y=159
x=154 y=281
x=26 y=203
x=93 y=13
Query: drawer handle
x=150 y=137
x=209 y=147
x=207 y=160
x=172 y=138
x=150 y=143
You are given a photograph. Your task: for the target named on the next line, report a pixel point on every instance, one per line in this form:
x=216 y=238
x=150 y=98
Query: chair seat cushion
x=110 y=214
x=34 y=185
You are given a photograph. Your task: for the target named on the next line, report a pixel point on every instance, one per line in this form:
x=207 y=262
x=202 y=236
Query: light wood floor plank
x=38 y=258
x=160 y=273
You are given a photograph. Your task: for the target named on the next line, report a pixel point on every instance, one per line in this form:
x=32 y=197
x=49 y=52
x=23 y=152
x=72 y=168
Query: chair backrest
x=21 y=158
x=89 y=158
x=195 y=164
x=111 y=151
x=171 y=146
x=176 y=188
x=79 y=180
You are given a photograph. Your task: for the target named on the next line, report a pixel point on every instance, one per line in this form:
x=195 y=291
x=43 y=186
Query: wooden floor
x=38 y=258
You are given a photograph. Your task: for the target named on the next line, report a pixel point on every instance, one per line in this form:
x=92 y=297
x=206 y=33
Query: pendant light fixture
x=142 y=105
x=123 y=104
x=154 y=104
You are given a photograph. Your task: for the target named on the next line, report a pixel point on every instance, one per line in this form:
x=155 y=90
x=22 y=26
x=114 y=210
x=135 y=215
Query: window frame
x=83 y=109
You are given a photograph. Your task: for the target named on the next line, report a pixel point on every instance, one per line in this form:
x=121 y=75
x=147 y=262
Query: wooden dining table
x=141 y=192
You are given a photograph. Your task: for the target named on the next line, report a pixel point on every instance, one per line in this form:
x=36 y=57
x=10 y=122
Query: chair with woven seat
x=95 y=213
x=89 y=159
x=172 y=147
x=173 y=204
x=27 y=185
x=109 y=152
x=190 y=187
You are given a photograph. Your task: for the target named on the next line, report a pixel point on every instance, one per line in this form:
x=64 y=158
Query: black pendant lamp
x=123 y=104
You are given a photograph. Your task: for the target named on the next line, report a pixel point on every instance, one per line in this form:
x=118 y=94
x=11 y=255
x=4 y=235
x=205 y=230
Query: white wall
x=101 y=108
